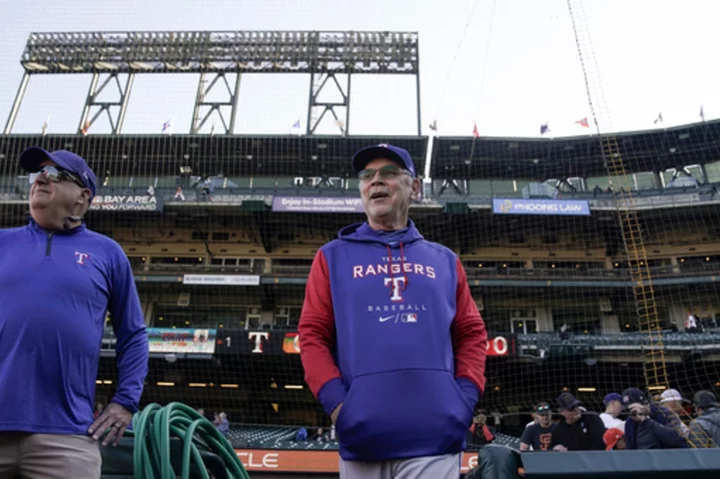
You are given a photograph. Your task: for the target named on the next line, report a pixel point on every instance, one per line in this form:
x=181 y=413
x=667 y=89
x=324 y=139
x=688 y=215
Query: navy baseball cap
x=567 y=401
x=633 y=396
x=612 y=397
x=383 y=150
x=31 y=159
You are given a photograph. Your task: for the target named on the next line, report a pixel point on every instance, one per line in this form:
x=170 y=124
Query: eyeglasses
x=386 y=172
x=56 y=175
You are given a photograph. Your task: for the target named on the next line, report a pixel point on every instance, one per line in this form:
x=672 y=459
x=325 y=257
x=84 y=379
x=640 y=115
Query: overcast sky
x=509 y=65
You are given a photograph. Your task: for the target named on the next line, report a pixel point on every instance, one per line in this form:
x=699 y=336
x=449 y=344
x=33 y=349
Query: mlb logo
x=409 y=318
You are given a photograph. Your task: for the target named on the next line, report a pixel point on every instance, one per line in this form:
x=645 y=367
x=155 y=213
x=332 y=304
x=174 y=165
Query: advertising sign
x=167 y=340
x=520 y=206
x=318 y=204
x=328 y=462
x=222 y=279
x=126 y=203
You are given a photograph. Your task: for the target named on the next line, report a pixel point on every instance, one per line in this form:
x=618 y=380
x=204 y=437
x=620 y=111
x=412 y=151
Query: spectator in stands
x=671 y=406
x=614 y=439
x=480 y=433
x=613 y=408
x=647 y=427
x=57 y=281
x=391 y=340
x=301 y=435
x=691 y=324
x=538 y=437
x=705 y=429
x=577 y=430
x=223 y=424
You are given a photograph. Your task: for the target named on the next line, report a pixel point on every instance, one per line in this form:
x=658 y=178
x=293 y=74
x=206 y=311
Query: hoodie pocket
x=406 y=412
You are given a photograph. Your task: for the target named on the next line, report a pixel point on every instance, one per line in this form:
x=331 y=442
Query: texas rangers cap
x=383 y=150
x=612 y=397
x=31 y=159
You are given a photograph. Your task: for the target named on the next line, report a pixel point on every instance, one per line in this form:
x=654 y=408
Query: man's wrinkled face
x=386 y=188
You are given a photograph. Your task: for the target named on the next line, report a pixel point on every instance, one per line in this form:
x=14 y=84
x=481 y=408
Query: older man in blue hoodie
x=646 y=427
x=392 y=343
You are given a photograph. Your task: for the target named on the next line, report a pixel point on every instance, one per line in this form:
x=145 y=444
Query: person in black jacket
x=577 y=430
x=647 y=427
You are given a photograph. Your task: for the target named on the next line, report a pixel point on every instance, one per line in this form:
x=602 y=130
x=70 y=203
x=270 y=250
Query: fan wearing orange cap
x=614 y=439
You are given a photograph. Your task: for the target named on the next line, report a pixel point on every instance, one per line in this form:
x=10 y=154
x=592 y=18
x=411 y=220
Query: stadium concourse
x=221 y=231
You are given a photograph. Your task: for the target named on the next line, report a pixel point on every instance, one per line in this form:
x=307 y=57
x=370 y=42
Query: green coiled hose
x=155 y=426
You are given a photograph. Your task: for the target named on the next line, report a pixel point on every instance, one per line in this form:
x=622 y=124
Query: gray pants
x=49 y=456
x=431 y=467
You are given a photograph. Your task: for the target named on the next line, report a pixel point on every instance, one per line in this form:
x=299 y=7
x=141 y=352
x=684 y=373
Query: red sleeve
x=317 y=328
x=469 y=336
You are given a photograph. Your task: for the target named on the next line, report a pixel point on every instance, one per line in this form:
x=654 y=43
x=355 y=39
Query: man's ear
x=84 y=198
x=415 y=189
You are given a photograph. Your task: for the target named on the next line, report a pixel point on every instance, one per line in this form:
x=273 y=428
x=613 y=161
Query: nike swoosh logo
x=382 y=320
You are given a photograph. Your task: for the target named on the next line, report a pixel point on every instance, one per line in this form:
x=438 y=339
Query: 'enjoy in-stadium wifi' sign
x=520 y=206
x=316 y=204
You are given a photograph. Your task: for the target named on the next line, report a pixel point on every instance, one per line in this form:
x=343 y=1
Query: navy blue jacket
x=653 y=433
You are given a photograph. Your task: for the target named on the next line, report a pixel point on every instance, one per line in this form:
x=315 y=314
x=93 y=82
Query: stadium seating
x=264 y=437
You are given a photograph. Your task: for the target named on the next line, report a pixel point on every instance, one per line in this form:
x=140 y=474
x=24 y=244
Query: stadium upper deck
x=527 y=159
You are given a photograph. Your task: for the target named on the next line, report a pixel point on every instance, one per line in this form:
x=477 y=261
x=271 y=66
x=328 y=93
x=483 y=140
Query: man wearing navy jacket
x=392 y=343
x=57 y=282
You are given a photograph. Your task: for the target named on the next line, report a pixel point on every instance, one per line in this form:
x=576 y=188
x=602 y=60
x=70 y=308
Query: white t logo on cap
x=384 y=145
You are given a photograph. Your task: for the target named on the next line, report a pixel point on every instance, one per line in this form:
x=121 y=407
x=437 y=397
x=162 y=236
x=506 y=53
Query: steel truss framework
x=330 y=58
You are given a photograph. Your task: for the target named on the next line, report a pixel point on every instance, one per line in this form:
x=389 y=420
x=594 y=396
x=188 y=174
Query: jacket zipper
x=48 y=245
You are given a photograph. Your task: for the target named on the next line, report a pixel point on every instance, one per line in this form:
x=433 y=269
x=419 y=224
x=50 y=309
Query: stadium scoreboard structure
x=220 y=59
x=221 y=230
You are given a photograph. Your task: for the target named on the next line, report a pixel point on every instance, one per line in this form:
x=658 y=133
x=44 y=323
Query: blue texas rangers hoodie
x=389 y=329
x=55 y=289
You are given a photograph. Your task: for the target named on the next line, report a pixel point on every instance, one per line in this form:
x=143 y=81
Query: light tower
x=220 y=58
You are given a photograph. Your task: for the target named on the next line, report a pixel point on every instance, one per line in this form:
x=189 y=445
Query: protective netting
x=221 y=232
x=592 y=259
